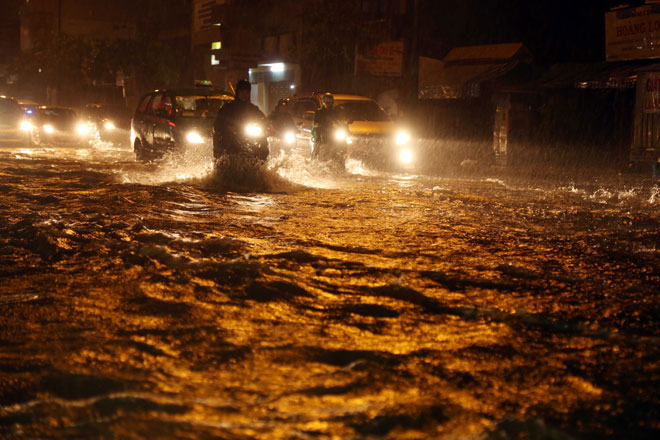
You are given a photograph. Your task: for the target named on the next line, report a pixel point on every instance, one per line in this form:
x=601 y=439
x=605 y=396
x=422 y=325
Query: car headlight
x=48 y=128
x=341 y=134
x=289 y=137
x=82 y=129
x=253 y=130
x=402 y=138
x=194 y=138
x=109 y=125
x=406 y=156
x=26 y=126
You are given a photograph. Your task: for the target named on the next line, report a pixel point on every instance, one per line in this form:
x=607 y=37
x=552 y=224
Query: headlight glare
x=253 y=130
x=406 y=156
x=194 y=138
x=341 y=134
x=26 y=126
x=290 y=138
x=48 y=128
x=402 y=138
x=82 y=129
x=109 y=125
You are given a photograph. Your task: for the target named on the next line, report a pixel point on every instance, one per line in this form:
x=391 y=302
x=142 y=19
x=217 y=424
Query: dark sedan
x=60 y=126
x=109 y=123
x=168 y=120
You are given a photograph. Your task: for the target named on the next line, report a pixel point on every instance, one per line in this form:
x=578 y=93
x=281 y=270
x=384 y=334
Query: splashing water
x=655 y=195
x=195 y=162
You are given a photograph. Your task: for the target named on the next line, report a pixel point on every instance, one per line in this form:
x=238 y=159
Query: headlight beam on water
x=194 y=138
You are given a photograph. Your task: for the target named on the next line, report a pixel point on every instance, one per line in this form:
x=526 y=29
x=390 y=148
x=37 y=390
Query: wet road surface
x=167 y=301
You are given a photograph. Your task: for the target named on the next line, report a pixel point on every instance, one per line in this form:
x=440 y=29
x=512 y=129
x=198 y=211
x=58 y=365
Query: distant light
x=39 y=70
x=214 y=60
x=292 y=86
x=29 y=112
x=26 y=126
x=109 y=125
x=277 y=67
x=48 y=128
x=216 y=45
x=217 y=24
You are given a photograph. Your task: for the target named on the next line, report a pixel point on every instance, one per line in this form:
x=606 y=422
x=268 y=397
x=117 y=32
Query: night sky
x=553 y=30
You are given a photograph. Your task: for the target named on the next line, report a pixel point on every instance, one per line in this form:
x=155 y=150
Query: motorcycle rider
x=324 y=120
x=230 y=119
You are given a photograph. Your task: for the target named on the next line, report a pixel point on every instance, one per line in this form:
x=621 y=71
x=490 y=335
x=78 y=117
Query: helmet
x=328 y=99
x=243 y=84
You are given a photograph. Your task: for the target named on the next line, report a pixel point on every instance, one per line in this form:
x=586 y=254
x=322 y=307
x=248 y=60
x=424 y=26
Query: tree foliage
x=70 y=60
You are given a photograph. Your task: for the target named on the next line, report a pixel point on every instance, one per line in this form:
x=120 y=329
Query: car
x=374 y=136
x=173 y=120
x=15 y=128
x=59 y=126
x=29 y=107
x=109 y=123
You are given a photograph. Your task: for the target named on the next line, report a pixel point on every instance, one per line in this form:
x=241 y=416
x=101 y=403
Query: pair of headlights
x=81 y=129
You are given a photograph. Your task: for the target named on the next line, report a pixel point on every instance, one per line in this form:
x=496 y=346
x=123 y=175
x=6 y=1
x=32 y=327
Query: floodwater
x=167 y=300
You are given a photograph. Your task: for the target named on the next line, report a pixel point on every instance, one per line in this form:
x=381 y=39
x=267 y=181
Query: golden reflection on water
x=382 y=309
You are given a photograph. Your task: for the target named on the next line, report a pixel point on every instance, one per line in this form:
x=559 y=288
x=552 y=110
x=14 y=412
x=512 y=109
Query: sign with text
x=633 y=33
x=648 y=92
x=384 y=59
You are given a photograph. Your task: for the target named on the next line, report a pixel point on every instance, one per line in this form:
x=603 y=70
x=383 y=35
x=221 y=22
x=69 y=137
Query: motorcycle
x=332 y=145
x=247 y=141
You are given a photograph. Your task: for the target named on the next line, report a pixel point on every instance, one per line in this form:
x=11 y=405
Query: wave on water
x=246 y=175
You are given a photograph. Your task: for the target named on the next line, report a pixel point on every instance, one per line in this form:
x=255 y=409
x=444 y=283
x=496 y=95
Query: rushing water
x=294 y=300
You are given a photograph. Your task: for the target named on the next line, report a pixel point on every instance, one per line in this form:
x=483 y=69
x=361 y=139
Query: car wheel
x=139 y=151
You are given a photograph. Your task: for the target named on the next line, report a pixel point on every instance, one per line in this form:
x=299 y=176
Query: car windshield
x=361 y=111
x=57 y=114
x=108 y=112
x=199 y=106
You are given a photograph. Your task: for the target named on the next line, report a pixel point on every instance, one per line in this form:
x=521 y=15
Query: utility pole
x=410 y=81
x=55 y=96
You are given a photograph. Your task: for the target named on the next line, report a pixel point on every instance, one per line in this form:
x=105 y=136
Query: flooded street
x=293 y=301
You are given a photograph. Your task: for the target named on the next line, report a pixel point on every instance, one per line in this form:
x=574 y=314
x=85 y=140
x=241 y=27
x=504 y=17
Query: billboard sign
x=633 y=33
x=384 y=59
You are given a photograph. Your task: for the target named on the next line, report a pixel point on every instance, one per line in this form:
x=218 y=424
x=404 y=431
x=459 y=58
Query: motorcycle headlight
x=289 y=138
x=48 y=128
x=82 y=129
x=406 y=156
x=402 y=138
x=340 y=134
x=109 y=125
x=26 y=126
x=253 y=130
x=194 y=138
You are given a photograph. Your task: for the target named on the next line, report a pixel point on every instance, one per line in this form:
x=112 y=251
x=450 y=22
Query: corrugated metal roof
x=463 y=71
x=589 y=76
x=499 y=52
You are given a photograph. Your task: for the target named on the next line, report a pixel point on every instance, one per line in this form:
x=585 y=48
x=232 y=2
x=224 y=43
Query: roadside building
x=460 y=100
x=55 y=35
